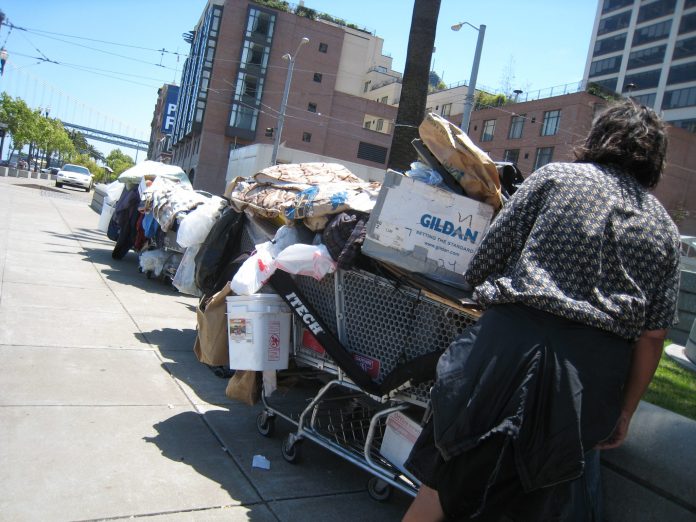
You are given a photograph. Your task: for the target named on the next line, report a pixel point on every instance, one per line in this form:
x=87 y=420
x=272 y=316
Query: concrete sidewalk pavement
x=105 y=413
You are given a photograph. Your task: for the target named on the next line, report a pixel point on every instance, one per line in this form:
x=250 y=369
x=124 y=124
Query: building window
x=689 y=125
x=645 y=57
x=544 y=155
x=684 y=48
x=551 y=123
x=644 y=80
x=685 y=72
x=608 y=85
x=372 y=152
x=317 y=77
x=679 y=98
x=446 y=109
x=655 y=10
x=255 y=54
x=323 y=47
x=312 y=107
x=613 y=5
x=243 y=117
x=606 y=66
x=688 y=23
x=367 y=86
x=609 y=45
x=652 y=33
x=511 y=155
x=614 y=23
x=645 y=99
x=306 y=137
x=385 y=99
x=367 y=125
x=516 y=127
x=260 y=24
x=488 y=130
x=380 y=124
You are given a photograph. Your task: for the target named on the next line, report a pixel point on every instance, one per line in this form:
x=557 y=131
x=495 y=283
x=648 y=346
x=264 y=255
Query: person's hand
x=618 y=435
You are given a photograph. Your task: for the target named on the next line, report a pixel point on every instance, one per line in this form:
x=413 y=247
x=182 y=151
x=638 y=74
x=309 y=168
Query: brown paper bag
x=470 y=166
x=211 y=344
x=243 y=387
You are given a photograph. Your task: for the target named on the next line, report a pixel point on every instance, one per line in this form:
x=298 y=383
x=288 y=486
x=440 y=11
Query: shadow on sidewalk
x=186 y=438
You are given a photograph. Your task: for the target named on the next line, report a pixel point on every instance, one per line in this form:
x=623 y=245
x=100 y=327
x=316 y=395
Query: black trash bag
x=216 y=261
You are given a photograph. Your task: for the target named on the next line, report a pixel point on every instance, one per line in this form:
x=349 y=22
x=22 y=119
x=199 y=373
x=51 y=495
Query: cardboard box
x=424 y=229
x=400 y=435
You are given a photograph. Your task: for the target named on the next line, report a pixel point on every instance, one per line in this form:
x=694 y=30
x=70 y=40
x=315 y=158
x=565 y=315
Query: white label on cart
x=242 y=330
x=273 y=340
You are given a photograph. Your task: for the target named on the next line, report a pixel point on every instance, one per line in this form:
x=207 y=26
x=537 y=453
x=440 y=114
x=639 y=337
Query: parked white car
x=76 y=176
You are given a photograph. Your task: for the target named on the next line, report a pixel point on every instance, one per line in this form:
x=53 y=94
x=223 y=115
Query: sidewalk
x=105 y=413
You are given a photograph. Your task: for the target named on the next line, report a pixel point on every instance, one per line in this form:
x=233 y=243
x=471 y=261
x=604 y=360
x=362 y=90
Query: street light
x=471 y=90
x=284 y=102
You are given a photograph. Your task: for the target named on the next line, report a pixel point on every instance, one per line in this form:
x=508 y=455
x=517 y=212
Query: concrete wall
x=652 y=477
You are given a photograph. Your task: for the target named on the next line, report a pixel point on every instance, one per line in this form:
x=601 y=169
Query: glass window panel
x=544 y=155
x=681 y=73
x=551 y=123
x=645 y=57
x=610 y=45
x=606 y=66
x=684 y=48
x=679 y=98
x=511 y=155
x=688 y=23
x=640 y=81
x=613 y=5
x=488 y=130
x=645 y=99
x=516 y=127
x=614 y=23
x=655 y=10
x=652 y=33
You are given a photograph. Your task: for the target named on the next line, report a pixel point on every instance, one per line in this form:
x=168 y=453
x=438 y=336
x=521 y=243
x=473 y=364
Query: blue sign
x=169 y=112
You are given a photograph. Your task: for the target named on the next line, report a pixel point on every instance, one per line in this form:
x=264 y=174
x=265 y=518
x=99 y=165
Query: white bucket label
x=241 y=330
x=273 y=340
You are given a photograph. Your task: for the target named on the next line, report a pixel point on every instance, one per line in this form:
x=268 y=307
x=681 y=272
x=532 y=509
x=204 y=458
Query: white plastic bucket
x=258 y=332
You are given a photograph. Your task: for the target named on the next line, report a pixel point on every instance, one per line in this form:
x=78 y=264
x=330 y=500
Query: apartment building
x=647 y=49
x=233 y=80
x=162 y=125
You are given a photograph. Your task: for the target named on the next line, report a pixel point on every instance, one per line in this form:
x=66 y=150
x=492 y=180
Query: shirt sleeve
x=508 y=232
x=661 y=312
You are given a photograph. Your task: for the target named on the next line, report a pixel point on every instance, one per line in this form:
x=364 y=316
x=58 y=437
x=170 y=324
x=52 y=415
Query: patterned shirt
x=585 y=242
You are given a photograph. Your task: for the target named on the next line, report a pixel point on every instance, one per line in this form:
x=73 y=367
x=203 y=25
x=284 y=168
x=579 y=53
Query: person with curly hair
x=579 y=276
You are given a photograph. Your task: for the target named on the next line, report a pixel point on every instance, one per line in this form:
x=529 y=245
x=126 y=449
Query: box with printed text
x=425 y=229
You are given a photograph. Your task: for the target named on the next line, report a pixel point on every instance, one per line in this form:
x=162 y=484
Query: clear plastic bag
x=184 y=278
x=153 y=261
x=113 y=192
x=258 y=268
x=309 y=260
x=421 y=172
x=195 y=227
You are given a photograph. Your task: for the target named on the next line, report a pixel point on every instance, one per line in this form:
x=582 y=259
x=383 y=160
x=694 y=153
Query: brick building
x=233 y=81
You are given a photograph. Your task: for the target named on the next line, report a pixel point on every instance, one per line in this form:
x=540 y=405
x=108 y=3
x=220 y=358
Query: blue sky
x=114 y=87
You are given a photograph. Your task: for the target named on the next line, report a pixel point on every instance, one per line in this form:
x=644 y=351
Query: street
x=105 y=413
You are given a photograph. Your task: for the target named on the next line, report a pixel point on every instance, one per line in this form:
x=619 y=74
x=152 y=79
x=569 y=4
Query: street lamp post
x=284 y=102
x=471 y=90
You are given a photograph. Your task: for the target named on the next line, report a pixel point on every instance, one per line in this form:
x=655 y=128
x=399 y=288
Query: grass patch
x=673 y=388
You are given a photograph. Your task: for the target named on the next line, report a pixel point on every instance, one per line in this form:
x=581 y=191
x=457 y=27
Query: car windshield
x=76 y=168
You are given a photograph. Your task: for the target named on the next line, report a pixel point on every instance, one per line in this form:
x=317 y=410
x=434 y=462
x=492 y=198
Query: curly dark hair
x=629 y=136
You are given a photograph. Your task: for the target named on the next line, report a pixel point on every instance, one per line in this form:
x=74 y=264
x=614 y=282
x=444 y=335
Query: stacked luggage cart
x=383 y=323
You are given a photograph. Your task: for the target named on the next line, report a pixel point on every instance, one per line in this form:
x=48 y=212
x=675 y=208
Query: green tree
x=414 y=88
x=19 y=119
x=118 y=162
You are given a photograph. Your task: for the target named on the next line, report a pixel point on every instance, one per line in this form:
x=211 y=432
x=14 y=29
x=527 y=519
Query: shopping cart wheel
x=378 y=489
x=265 y=424
x=290 y=449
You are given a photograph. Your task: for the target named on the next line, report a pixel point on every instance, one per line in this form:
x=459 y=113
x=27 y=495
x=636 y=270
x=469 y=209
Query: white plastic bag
x=184 y=277
x=106 y=213
x=309 y=260
x=258 y=268
x=194 y=228
x=153 y=261
x=113 y=192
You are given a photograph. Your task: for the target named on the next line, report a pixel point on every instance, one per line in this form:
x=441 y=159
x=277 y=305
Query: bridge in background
x=108 y=137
